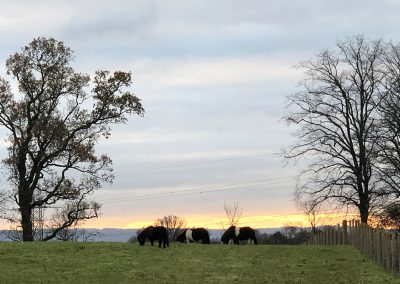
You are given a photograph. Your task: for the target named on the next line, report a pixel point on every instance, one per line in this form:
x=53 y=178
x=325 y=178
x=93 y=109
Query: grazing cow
x=194 y=235
x=154 y=233
x=238 y=234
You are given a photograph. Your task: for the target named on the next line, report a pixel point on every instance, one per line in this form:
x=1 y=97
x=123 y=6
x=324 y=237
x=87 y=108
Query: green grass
x=193 y=263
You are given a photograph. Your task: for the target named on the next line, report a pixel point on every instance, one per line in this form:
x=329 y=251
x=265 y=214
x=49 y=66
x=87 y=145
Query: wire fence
x=382 y=246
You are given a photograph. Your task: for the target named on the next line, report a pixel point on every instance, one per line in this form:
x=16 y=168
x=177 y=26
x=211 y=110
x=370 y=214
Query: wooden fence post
x=387 y=252
x=334 y=231
x=344 y=232
x=398 y=253
x=357 y=233
x=372 y=243
x=381 y=246
x=393 y=251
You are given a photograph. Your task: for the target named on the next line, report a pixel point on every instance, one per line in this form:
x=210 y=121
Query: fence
x=380 y=245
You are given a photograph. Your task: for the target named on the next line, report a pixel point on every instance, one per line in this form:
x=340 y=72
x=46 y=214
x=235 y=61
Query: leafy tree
x=53 y=123
x=337 y=111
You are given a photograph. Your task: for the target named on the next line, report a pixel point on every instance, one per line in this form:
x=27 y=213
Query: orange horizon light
x=216 y=222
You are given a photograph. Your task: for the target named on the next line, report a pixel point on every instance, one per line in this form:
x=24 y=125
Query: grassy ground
x=193 y=263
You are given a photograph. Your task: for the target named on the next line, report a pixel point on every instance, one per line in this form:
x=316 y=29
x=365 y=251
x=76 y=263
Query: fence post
x=365 y=238
x=393 y=251
x=344 y=232
x=375 y=238
x=372 y=243
x=398 y=253
x=387 y=252
x=380 y=247
x=368 y=241
x=357 y=233
x=335 y=230
x=362 y=237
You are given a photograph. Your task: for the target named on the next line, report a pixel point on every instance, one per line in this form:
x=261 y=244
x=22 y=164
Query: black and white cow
x=154 y=233
x=239 y=234
x=194 y=235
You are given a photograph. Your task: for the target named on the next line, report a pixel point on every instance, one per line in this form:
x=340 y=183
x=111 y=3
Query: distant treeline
x=290 y=235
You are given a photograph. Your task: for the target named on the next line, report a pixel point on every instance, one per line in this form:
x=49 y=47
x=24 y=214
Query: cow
x=194 y=235
x=238 y=234
x=154 y=233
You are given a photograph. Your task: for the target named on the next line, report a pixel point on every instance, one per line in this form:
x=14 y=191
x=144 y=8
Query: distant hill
x=122 y=235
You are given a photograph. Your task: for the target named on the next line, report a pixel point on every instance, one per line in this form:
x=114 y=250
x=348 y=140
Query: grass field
x=193 y=263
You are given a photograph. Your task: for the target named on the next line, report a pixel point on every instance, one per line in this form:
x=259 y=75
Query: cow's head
x=182 y=237
x=225 y=240
x=141 y=241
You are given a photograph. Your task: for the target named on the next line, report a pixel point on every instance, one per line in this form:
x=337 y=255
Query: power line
x=203 y=187
x=140 y=170
x=200 y=190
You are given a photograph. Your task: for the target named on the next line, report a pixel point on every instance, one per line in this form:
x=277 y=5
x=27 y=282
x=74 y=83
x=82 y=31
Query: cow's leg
x=152 y=242
x=255 y=241
x=159 y=242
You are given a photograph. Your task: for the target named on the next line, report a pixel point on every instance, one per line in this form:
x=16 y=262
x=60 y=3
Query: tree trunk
x=364 y=212
x=26 y=223
x=25 y=195
x=25 y=207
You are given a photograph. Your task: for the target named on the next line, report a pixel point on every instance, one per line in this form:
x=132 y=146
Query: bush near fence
x=380 y=245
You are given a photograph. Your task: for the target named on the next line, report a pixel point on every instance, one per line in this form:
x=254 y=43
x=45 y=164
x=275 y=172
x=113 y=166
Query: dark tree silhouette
x=389 y=216
x=174 y=225
x=54 y=122
x=233 y=213
x=388 y=132
x=337 y=112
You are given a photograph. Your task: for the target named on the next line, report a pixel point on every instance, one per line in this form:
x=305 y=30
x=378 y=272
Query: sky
x=213 y=77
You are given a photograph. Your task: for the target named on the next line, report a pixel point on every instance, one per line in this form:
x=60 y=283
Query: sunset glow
x=216 y=222
x=223 y=123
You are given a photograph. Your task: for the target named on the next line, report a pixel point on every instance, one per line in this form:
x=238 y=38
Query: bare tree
x=174 y=225
x=54 y=123
x=290 y=230
x=314 y=214
x=388 y=132
x=233 y=213
x=64 y=221
x=336 y=112
x=78 y=234
x=388 y=217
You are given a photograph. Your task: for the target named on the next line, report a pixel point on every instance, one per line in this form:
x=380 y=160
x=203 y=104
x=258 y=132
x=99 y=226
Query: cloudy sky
x=213 y=77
